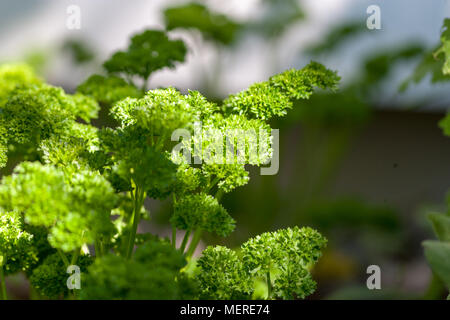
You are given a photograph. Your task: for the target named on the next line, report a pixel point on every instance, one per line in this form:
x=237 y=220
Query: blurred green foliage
x=79 y=50
x=152 y=274
x=437 y=251
x=351 y=213
x=379 y=65
x=429 y=64
x=147 y=52
x=445 y=46
x=216 y=27
x=108 y=90
x=435 y=62
x=276 y=18
x=50 y=277
x=337 y=37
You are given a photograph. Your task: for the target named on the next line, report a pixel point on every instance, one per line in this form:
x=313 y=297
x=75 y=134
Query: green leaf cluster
x=202 y=211
x=222 y=275
x=271 y=98
x=213 y=26
x=282 y=258
x=147 y=52
x=276 y=17
x=79 y=50
x=435 y=62
x=108 y=89
x=14 y=75
x=437 y=252
x=17 y=252
x=49 y=279
x=445 y=46
x=337 y=37
x=37 y=112
x=75 y=208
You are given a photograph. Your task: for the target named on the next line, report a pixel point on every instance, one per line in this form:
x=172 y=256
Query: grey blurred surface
x=107 y=24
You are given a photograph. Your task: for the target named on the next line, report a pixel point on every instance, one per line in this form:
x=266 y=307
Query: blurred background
x=363 y=165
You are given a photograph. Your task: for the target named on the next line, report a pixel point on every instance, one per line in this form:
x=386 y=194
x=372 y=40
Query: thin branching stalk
x=195 y=240
x=138 y=203
x=185 y=240
x=174 y=237
x=269 y=286
x=75 y=256
x=63 y=257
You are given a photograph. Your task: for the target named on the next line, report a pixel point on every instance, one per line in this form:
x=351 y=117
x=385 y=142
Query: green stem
x=102 y=248
x=174 y=229
x=160 y=142
x=75 y=257
x=105 y=247
x=269 y=286
x=130 y=80
x=3 y=284
x=139 y=200
x=194 y=243
x=174 y=237
x=212 y=184
x=145 y=84
x=63 y=257
x=98 y=251
x=185 y=240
